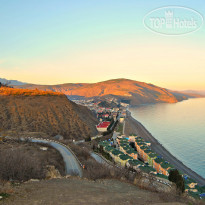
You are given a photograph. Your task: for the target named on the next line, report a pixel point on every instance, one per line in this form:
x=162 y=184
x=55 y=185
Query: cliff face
x=49 y=114
x=134 y=91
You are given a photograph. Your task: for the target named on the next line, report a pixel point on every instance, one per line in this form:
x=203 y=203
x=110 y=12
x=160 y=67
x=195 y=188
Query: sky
x=56 y=41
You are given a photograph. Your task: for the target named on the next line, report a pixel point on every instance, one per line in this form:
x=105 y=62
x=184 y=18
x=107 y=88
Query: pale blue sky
x=48 y=42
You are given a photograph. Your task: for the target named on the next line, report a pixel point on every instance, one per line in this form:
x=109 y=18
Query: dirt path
x=133 y=126
x=81 y=191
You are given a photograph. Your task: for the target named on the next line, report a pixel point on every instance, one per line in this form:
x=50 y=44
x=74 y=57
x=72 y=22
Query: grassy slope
x=45 y=112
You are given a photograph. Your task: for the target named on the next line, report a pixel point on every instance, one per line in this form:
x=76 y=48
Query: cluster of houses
x=125 y=155
x=107 y=116
x=143 y=152
x=150 y=157
x=133 y=152
x=162 y=166
x=139 y=156
x=94 y=104
x=193 y=188
x=104 y=112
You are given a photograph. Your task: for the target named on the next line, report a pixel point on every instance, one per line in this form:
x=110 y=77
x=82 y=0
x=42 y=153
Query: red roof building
x=102 y=127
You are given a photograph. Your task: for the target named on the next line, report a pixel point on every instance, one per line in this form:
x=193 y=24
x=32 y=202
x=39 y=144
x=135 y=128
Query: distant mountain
x=11 y=82
x=50 y=113
x=132 y=91
x=198 y=92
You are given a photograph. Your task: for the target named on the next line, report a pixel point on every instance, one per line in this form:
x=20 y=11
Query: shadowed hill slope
x=134 y=91
x=46 y=112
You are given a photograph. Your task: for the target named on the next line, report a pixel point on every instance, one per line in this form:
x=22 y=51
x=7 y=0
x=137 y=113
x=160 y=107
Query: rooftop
x=147 y=169
x=135 y=162
x=131 y=150
x=103 y=124
x=125 y=157
x=109 y=148
x=116 y=152
x=144 y=147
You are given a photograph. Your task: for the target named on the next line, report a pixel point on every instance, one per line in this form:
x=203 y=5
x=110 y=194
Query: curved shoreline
x=134 y=126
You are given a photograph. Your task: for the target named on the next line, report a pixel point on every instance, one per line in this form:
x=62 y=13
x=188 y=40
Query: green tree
x=176 y=177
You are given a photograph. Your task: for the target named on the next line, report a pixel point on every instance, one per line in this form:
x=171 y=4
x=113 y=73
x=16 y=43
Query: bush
x=15 y=165
x=94 y=170
x=81 y=151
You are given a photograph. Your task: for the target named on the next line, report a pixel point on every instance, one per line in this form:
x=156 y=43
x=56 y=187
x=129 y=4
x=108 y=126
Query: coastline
x=134 y=126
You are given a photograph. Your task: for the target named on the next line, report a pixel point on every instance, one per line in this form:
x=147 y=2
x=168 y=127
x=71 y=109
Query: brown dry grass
x=51 y=115
x=22 y=161
x=82 y=191
x=26 y=92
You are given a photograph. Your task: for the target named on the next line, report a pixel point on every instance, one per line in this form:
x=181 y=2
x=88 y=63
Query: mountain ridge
x=12 y=82
x=135 y=92
x=198 y=92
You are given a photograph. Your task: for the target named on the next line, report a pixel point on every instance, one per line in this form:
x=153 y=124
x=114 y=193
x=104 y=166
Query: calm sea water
x=179 y=127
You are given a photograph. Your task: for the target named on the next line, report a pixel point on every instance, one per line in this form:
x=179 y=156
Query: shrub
x=15 y=165
x=80 y=151
x=94 y=170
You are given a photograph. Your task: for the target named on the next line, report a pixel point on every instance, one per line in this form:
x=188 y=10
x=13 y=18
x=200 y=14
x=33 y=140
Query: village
x=131 y=152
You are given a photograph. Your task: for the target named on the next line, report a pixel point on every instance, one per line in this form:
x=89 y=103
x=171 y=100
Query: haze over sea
x=179 y=127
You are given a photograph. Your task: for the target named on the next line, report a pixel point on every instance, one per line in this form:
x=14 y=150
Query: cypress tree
x=176 y=177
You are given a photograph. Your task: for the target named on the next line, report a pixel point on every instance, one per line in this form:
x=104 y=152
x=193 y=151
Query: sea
x=179 y=127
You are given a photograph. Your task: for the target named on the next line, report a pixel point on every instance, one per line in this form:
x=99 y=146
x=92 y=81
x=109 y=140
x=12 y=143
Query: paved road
x=71 y=164
x=140 y=130
x=102 y=160
x=98 y=158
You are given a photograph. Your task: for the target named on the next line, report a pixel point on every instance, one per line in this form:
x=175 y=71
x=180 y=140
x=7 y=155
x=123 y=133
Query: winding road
x=72 y=165
x=98 y=158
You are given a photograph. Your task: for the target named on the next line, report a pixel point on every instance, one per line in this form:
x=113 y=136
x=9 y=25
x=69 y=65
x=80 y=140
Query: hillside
x=107 y=104
x=45 y=112
x=134 y=91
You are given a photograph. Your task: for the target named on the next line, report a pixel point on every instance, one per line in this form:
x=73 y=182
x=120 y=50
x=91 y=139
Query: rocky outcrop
x=150 y=183
x=52 y=172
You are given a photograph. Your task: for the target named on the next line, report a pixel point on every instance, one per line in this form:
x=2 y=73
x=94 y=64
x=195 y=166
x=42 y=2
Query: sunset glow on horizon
x=54 y=42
